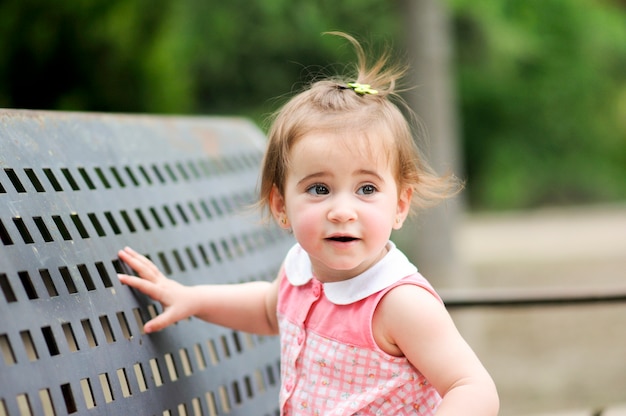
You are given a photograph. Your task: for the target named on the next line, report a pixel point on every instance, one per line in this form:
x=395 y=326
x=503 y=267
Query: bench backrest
x=77 y=187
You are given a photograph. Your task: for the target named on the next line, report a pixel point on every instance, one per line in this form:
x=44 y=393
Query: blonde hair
x=329 y=105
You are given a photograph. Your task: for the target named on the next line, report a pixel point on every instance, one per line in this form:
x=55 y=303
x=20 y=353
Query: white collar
x=391 y=268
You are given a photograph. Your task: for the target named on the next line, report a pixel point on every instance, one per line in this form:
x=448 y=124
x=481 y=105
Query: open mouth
x=342 y=239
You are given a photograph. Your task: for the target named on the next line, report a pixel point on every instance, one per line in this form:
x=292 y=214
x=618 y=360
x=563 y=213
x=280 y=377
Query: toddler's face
x=341 y=203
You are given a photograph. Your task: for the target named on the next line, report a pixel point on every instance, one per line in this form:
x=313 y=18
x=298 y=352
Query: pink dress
x=330 y=363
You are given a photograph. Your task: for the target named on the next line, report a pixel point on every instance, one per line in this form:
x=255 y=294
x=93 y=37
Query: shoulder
x=407 y=312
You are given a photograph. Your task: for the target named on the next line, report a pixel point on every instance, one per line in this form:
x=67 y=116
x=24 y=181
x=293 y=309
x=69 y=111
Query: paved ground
x=549 y=359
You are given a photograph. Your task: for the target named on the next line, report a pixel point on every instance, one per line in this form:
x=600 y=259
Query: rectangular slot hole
x=69 y=336
x=193 y=169
x=152 y=311
x=85 y=386
x=68 y=398
x=225 y=346
x=184 y=359
x=182 y=171
x=112 y=223
x=104 y=276
x=215 y=251
x=203 y=254
x=271 y=379
x=46 y=402
x=105 y=383
x=196 y=406
x=145 y=175
x=52 y=179
x=48 y=282
x=224 y=401
x=86 y=178
x=131 y=175
x=258 y=377
x=170 y=172
x=24 y=405
x=28 y=285
x=179 y=261
x=194 y=211
x=67 y=279
x=70 y=179
x=121 y=318
x=182 y=213
x=102 y=178
x=2 y=191
x=156 y=171
x=156 y=372
x=167 y=270
x=248 y=385
x=106 y=327
x=139 y=319
x=88 y=330
x=142 y=219
x=236 y=393
x=121 y=376
x=82 y=231
x=128 y=222
x=237 y=342
x=169 y=215
x=182 y=409
x=61 y=227
x=84 y=273
x=9 y=295
x=210 y=401
x=171 y=367
x=96 y=224
x=4 y=235
x=7 y=350
x=191 y=257
x=117 y=177
x=212 y=352
x=29 y=346
x=21 y=227
x=34 y=180
x=43 y=229
x=17 y=184
x=217 y=207
x=200 y=360
x=156 y=217
x=205 y=208
x=48 y=336
x=139 y=375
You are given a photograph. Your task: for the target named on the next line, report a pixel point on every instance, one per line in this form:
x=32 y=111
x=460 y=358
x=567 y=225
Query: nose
x=342 y=209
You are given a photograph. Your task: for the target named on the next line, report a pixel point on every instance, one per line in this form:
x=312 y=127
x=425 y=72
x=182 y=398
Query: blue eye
x=318 y=189
x=368 y=189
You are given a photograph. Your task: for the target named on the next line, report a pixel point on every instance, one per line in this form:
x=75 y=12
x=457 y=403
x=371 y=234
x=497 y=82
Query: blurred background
x=524 y=100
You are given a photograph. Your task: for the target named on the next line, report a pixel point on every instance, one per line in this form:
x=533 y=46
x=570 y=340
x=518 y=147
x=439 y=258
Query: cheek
x=304 y=219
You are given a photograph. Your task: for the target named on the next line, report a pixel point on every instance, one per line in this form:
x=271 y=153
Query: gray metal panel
x=77 y=187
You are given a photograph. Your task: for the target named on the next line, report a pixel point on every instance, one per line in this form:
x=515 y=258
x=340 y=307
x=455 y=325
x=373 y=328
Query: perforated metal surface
x=74 y=189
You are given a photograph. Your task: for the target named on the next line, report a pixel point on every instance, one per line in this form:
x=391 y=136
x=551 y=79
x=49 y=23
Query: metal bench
x=77 y=187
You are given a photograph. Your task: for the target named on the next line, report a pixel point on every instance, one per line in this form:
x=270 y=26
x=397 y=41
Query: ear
x=404 y=207
x=278 y=208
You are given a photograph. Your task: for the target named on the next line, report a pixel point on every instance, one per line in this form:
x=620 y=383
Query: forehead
x=331 y=147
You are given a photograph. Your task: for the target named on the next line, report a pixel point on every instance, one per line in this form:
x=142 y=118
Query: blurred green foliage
x=543 y=100
x=542 y=83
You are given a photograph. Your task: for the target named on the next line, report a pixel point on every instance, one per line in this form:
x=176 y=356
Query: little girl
x=362 y=332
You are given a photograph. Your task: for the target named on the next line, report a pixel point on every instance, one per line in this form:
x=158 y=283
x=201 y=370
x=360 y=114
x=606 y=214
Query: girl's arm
x=249 y=307
x=410 y=321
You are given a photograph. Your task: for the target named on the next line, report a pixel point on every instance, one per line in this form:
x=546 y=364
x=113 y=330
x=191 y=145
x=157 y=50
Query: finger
x=140 y=264
x=162 y=321
x=145 y=286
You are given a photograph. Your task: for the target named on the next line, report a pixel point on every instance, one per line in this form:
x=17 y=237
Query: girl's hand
x=172 y=295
